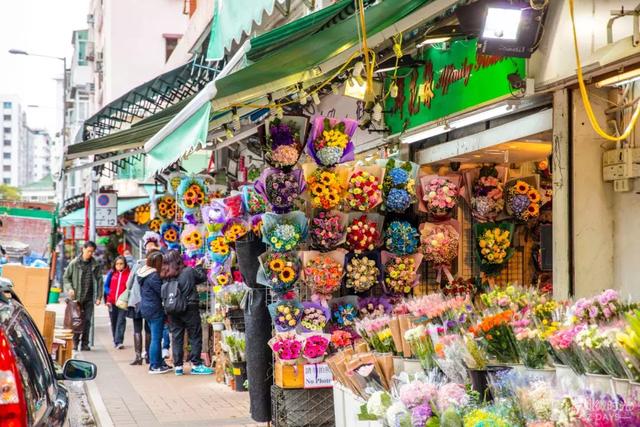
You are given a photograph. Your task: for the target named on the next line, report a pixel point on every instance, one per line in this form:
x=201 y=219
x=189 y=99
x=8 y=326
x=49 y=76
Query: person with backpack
x=151 y=309
x=180 y=298
x=114 y=285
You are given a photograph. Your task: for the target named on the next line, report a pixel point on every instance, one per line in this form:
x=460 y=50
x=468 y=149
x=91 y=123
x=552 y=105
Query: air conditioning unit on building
x=621 y=166
x=90 y=19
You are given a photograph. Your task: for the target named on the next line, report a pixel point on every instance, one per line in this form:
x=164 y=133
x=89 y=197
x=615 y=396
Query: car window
x=35 y=368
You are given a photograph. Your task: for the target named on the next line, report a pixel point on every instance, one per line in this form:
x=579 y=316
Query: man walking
x=83 y=283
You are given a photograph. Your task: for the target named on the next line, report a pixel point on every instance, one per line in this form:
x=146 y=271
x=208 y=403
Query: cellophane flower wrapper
x=344 y=312
x=323 y=282
x=388 y=259
x=218 y=250
x=325 y=187
x=287 y=347
x=281 y=189
x=364 y=188
x=215 y=215
x=165 y=207
x=220 y=274
x=331 y=156
x=277 y=278
x=374 y=306
x=170 y=233
x=175 y=179
x=252 y=202
x=316 y=346
x=493 y=266
x=312 y=314
x=328 y=230
x=497 y=335
x=399 y=185
x=401 y=238
x=436 y=200
x=278 y=312
x=355 y=239
x=377 y=333
x=193 y=239
x=362 y=281
x=283 y=140
x=234 y=205
x=284 y=233
x=232 y=295
x=485 y=191
x=191 y=194
x=522 y=199
x=421 y=343
x=235 y=229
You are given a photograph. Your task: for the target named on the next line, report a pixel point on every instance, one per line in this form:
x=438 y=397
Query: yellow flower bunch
x=335 y=138
x=192 y=240
x=544 y=309
x=494 y=244
x=234 y=232
x=529 y=208
x=325 y=189
x=219 y=246
x=155 y=225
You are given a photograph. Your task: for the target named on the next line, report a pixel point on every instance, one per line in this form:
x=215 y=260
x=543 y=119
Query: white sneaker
x=165 y=353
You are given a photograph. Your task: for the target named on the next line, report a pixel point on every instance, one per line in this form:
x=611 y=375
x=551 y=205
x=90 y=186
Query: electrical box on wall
x=621 y=165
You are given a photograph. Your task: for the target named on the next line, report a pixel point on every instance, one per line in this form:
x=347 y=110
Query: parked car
x=31 y=393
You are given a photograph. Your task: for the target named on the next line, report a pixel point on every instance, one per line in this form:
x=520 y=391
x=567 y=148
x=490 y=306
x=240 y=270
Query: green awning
x=308 y=52
x=281 y=36
x=124 y=205
x=187 y=136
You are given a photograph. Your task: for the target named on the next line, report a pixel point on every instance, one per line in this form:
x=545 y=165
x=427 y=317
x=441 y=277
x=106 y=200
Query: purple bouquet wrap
x=318 y=125
x=312 y=315
x=281 y=189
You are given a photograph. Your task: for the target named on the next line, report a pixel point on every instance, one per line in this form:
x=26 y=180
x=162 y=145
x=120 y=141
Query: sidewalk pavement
x=129 y=396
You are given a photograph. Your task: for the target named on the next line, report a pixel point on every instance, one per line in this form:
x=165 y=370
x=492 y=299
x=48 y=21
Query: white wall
x=198 y=23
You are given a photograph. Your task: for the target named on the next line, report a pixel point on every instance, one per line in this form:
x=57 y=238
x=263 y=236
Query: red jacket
x=117 y=285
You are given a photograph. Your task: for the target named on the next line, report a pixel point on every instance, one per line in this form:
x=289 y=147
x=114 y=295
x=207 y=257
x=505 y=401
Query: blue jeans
x=155 y=352
x=166 y=340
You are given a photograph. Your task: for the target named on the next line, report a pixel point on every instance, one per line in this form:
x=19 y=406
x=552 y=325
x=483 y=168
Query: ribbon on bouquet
x=443 y=268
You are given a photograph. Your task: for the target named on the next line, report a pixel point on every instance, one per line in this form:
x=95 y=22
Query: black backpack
x=172 y=299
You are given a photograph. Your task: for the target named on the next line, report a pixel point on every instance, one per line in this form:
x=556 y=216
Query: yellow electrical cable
x=585 y=96
x=365 y=49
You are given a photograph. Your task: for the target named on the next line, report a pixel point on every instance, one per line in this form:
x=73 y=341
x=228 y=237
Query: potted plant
x=217 y=321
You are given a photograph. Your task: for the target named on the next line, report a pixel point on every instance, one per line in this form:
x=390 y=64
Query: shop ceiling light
x=620 y=79
x=481 y=116
x=502 y=23
x=432 y=40
x=425 y=134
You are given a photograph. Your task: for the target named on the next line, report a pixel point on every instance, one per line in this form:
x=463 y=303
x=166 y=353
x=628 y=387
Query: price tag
x=237 y=371
x=317 y=376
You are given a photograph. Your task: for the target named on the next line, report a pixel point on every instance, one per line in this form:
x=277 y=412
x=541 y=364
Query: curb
x=100 y=413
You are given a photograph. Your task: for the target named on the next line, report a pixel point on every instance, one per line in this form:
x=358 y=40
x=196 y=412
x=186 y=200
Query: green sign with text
x=450 y=81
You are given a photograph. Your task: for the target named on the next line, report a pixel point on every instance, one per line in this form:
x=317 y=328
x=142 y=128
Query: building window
x=6 y=104
x=6 y=156
x=6 y=181
x=7 y=131
x=7 y=143
x=170 y=43
x=7 y=117
x=6 y=168
x=81 y=46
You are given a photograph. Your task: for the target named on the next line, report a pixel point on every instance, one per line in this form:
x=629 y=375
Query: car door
x=36 y=369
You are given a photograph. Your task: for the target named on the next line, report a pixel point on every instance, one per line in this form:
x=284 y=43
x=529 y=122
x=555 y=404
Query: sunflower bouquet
x=155 y=224
x=399 y=185
x=191 y=194
x=325 y=188
x=281 y=189
x=279 y=271
x=166 y=207
x=218 y=248
x=283 y=233
x=330 y=141
x=219 y=275
x=364 y=191
x=523 y=201
x=192 y=238
x=170 y=234
x=234 y=230
x=493 y=245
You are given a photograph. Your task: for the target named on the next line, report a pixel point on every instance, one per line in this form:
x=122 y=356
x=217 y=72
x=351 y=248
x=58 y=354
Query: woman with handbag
x=116 y=286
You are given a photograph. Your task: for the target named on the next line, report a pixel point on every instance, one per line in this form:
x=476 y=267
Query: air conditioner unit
x=90 y=19
x=99 y=56
x=91 y=87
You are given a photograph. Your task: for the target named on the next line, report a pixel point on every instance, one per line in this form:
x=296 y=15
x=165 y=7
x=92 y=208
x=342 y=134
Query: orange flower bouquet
x=323 y=272
x=166 y=207
x=192 y=238
x=326 y=186
x=498 y=336
x=191 y=194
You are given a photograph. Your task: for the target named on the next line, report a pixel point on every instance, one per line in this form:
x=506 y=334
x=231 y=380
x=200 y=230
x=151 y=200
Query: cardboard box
x=288 y=376
x=31 y=284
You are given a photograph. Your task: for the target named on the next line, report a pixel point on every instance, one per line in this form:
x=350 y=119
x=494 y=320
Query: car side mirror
x=79 y=370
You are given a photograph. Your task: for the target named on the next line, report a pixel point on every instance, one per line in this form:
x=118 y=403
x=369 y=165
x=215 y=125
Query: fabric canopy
x=124 y=205
x=187 y=136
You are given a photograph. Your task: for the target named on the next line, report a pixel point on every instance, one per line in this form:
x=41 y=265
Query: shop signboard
x=317 y=375
x=451 y=80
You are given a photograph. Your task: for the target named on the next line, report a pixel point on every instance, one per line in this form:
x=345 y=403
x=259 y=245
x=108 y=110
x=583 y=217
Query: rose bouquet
x=398 y=186
x=344 y=311
x=421 y=345
x=281 y=189
x=327 y=230
x=400 y=273
x=458 y=286
x=440 y=196
x=191 y=194
x=234 y=205
x=323 y=272
x=493 y=245
x=218 y=247
x=279 y=271
x=531 y=347
x=166 y=207
x=252 y=202
x=282 y=145
x=363 y=232
x=373 y=307
x=287 y=347
x=170 y=234
x=286 y=314
x=283 y=233
x=326 y=187
x=192 y=238
x=234 y=230
x=563 y=345
x=497 y=334
x=439 y=246
x=364 y=191
x=215 y=215
x=362 y=272
x=487 y=195
x=330 y=140
x=604 y=307
x=315 y=348
x=341 y=339
x=523 y=201
x=401 y=238
x=314 y=317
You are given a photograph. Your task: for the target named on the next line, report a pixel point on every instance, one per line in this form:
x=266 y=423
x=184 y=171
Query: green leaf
x=386 y=400
x=364 y=415
x=327 y=124
x=341 y=127
x=433 y=422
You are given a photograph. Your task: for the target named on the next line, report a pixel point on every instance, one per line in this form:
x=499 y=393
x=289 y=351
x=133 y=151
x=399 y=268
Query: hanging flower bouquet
x=287 y=347
x=166 y=207
x=283 y=233
x=330 y=141
x=279 y=270
x=374 y=307
x=218 y=248
x=440 y=246
x=314 y=317
x=363 y=272
x=523 y=201
x=286 y=314
x=440 y=196
x=487 y=197
x=219 y=275
x=327 y=230
x=400 y=272
x=256 y=225
x=253 y=202
x=399 y=185
x=192 y=238
x=344 y=311
x=315 y=348
x=401 y=238
x=363 y=232
x=281 y=189
x=170 y=234
x=493 y=245
x=323 y=272
x=326 y=187
x=234 y=230
x=364 y=188
x=191 y=194
x=155 y=224
x=282 y=145
x=215 y=215
x=234 y=205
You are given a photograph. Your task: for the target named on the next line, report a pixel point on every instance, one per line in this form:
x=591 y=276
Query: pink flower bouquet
x=315 y=348
x=439 y=244
x=440 y=196
x=287 y=347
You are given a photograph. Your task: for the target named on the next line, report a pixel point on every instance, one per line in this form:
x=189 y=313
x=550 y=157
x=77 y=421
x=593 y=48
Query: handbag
x=123 y=300
x=135 y=295
x=73 y=318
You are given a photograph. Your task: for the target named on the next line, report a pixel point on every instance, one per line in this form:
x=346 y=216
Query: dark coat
x=188 y=280
x=150 y=291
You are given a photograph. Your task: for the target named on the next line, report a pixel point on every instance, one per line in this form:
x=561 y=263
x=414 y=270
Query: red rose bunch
x=364 y=191
x=362 y=235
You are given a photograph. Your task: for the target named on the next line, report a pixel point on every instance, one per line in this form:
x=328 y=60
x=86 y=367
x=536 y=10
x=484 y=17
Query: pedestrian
x=151 y=309
x=129 y=258
x=83 y=283
x=166 y=341
x=115 y=285
x=189 y=320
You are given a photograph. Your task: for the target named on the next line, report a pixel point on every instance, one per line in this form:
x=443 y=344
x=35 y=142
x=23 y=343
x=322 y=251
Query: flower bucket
x=480 y=383
x=566 y=378
x=634 y=390
x=412 y=366
x=544 y=374
x=622 y=387
x=54 y=296
x=599 y=383
x=217 y=326
x=240 y=375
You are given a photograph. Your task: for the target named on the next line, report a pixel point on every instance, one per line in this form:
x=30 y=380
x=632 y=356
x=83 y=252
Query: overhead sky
x=43 y=27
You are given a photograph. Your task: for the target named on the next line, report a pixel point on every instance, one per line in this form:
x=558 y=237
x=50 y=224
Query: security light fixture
x=502 y=23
